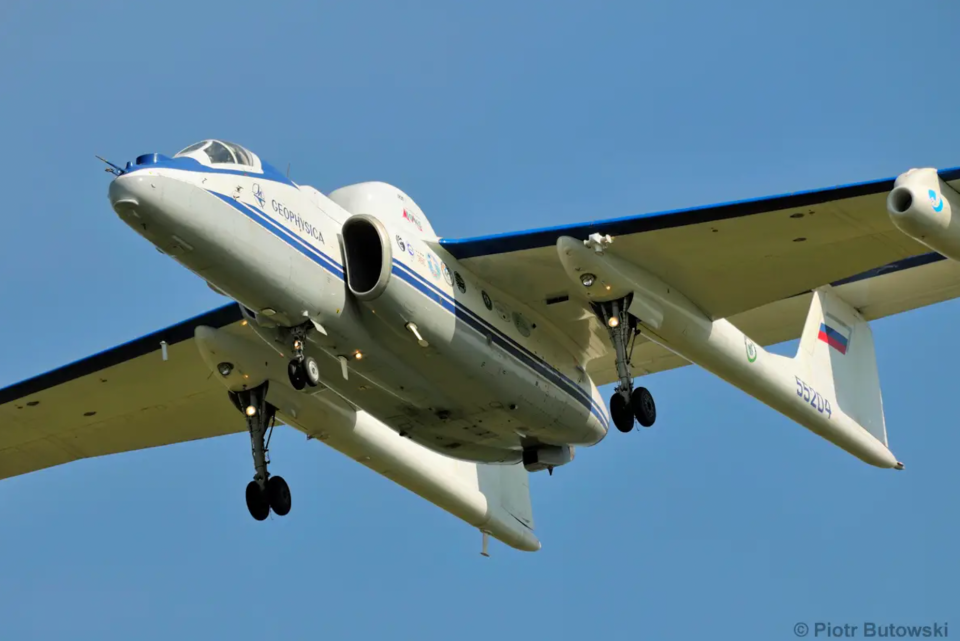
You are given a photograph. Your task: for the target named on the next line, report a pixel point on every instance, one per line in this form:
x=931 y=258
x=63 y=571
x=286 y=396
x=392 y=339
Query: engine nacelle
x=921 y=206
x=368 y=256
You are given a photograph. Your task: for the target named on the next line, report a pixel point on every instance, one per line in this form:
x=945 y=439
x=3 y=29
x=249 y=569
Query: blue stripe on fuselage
x=469 y=317
x=259 y=216
x=432 y=292
x=186 y=163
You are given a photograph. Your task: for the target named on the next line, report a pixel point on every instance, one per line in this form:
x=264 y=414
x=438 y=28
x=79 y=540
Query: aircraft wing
x=157 y=391
x=127 y=398
x=753 y=262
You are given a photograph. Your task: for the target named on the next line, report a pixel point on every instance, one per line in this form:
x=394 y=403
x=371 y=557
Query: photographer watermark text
x=871 y=630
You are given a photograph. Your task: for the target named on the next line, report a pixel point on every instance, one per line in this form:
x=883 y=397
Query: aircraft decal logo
x=433 y=265
x=936 y=200
x=835 y=333
x=486 y=297
x=751 y=349
x=412 y=218
x=447 y=275
x=462 y=286
x=400 y=243
x=410 y=249
x=521 y=324
x=258 y=194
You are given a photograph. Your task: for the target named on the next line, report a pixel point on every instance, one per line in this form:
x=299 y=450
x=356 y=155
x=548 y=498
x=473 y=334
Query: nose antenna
x=112 y=169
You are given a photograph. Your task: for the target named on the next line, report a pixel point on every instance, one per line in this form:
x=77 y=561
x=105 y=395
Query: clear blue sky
x=726 y=520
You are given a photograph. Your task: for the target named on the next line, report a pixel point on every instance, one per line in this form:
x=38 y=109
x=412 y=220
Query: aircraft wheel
x=257 y=501
x=279 y=494
x=645 y=410
x=311 y=371
x=620 y=412
x=298 y=377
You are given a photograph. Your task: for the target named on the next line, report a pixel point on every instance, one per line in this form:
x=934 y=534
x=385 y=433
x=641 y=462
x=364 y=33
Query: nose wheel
x=264 y=492
x=628 y=404
x=302 y=370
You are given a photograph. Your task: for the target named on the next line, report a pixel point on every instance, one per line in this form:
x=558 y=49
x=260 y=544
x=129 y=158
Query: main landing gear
x=264 y=492
x=627 y=403
x=302 y=370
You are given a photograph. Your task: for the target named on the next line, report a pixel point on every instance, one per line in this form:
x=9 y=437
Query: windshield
x=220 y=152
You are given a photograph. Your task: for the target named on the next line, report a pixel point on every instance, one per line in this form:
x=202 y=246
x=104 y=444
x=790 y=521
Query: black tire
x=279 y=493
x=257 y=501
x=311 y=371
x=297 y=376
x=620 y=412
x=643 y=406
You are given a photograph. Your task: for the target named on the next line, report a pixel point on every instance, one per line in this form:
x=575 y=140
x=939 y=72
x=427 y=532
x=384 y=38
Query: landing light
x=358 y=355
x=588 y=280
x=251 y=410
x=613 y=321
x=225 y=369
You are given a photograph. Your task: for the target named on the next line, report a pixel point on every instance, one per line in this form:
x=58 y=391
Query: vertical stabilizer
x=836 y=350
x=507 y=488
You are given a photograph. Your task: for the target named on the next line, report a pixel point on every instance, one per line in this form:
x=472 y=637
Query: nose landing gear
x=302 y=370
x=264 y=492
x=627 y=403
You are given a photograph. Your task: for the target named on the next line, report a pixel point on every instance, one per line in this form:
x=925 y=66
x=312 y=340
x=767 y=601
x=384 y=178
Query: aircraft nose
x=129 y=193
x=121 y=197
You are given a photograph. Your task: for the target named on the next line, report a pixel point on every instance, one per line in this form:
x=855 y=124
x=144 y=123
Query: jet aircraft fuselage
x=393 y=323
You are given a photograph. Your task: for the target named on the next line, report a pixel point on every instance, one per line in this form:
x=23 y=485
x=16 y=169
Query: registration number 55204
x=812 y=396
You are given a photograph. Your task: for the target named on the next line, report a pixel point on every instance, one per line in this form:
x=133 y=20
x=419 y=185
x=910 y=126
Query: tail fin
x=836 y=348
x=508 y=488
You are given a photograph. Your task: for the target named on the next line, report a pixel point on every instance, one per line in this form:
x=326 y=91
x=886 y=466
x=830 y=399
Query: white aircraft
x=455 y=367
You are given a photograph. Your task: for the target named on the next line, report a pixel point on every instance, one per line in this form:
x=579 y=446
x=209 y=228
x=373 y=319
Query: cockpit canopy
x=222 y=154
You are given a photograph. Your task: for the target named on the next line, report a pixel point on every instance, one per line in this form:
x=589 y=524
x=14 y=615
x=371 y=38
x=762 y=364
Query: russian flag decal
x=835 y=337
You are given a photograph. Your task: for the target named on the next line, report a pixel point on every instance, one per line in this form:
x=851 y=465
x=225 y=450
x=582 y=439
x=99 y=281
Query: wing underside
x=752 y=262
x=149 y=392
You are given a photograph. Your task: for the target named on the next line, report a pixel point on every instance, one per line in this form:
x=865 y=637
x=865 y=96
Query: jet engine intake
x=368 y=256
x=921 y=206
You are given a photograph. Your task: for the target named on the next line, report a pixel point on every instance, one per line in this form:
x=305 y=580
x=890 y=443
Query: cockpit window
x=241 y=154
x=194 y=147
x=219 y=152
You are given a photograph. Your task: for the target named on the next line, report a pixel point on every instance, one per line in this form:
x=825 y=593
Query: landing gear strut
x=302 y=370
x=264 y=492
x=627 y=403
